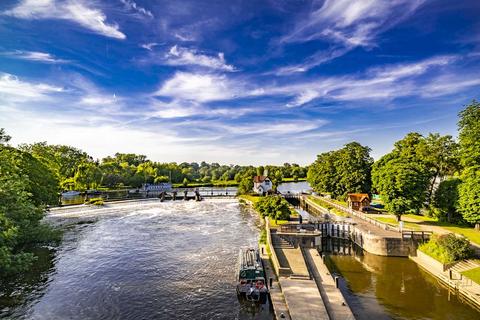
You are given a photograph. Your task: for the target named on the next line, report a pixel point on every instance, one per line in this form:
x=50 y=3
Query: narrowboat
x=251 y=276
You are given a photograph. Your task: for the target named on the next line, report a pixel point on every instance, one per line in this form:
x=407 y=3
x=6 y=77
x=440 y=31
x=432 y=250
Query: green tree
x=469 y=195
x=342 y=171
x=275 y=207
x=4 y=137
x=469 y=139
x=469 y=135
x=88 y=176
x=441 y=155
x=403 y=176
x=20 y=212
x=445 y=201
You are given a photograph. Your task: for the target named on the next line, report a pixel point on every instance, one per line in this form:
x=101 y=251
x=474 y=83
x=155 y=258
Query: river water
x=383 y=288
x=148 y=260
x=177 y=260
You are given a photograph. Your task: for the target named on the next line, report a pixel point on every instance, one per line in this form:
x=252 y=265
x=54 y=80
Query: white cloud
x=34 y=56
x=346 y=24
x=134 y=6
x=13 y=89
x=77 y=11
x=184 y=56
x=197 y=87
x=149 y=46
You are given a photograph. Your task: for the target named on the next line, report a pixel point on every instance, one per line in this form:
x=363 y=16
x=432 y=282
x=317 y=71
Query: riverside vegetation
x=435 y=175
x=32 y=176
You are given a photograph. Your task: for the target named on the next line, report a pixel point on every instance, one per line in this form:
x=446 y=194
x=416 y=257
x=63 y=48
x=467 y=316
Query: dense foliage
x=76 y=170
x=447 y=248
x=25 y=186
x=275 y=207
x=469 y=137
x=342 y=171
x=445 y=201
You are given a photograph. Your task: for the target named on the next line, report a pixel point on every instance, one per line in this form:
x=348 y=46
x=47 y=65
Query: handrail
x=356 y=213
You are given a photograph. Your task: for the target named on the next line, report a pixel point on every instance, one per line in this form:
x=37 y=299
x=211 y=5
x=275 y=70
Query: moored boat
x=71 y=193
x=251 y=276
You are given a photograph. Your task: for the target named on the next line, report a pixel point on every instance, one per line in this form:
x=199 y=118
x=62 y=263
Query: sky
x=235 y=82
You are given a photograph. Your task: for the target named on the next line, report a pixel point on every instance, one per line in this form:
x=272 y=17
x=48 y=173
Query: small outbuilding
x=358 y=201
x=262 y=184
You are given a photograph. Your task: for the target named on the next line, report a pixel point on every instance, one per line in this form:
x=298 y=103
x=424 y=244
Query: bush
x=275 y=207
x=447 y=248
x=456 y=247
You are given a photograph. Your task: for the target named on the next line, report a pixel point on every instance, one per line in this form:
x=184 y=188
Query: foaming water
x=151 y=260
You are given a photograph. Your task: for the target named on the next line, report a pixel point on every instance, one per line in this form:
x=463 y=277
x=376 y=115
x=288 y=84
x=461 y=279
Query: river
x=148 y=260
x=176 y=260
x=383 y=288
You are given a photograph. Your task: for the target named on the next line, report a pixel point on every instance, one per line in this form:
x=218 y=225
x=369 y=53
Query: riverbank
x=451 y=276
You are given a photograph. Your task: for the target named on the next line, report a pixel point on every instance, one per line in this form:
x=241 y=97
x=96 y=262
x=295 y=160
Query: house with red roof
x=262 y=184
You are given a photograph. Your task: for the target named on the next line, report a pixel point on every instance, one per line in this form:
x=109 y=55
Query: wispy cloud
x=34 y=56
x=198 y=87
x=77 y=11
x=149 y=46
x=12 y=89
x=345 y=25
x=132 y=5
x=178 y=56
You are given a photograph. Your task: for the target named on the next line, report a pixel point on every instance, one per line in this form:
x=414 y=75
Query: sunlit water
x=149 y=260
x=395 y=288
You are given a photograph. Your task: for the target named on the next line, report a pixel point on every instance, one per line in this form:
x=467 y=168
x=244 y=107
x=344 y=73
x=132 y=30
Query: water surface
x=171 y=260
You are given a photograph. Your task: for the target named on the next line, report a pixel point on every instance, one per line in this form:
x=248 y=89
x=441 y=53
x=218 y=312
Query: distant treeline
x=431 y=172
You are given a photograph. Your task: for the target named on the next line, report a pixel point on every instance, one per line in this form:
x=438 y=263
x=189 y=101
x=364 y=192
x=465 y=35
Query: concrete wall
x=279 y=271
x=382 y=246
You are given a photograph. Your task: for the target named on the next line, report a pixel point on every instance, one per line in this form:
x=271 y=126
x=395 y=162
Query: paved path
x=303 y=299
x=276 y=295
x=364 y=225
x=335 y=304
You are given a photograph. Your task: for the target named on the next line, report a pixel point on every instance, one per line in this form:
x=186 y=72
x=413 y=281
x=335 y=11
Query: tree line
x=433 y=172
x=76 y=170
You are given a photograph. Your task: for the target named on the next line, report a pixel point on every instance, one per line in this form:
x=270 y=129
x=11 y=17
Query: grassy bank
x=473 y=274
x=328 y=206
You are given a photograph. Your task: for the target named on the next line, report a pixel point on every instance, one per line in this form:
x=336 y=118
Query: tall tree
x=342 y=171
x=445 y=201
x=469 y=136
x=402 y=177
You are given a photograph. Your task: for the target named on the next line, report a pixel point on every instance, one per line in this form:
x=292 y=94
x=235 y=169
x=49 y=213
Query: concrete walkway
x=363 y=224
x=276 y=296
x=303 y=299
x=335 y=304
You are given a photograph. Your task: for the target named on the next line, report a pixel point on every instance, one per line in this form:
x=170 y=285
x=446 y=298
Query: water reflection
x=171 y=260
x=392 y=288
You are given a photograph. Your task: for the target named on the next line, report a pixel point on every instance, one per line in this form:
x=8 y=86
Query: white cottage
x=262 y=184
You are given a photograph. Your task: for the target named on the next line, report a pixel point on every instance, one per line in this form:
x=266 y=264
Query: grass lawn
x=326 y=205
x=279 y=222
x=292 y=180
x=467 y=232
x=393 y=222
x=419 y=217
x=253 y=199
x=435 y=251
x=473 y=274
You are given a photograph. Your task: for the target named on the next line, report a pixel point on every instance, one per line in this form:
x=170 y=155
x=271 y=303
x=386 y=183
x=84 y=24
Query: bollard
x=263 y=250
x=271 y=282
x=336 y=282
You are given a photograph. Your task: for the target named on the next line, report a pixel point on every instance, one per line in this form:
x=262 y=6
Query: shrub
x=456 y=247
x=275 y=207
x=447 y=248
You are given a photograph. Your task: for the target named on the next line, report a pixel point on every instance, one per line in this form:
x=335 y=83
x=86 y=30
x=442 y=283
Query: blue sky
x=245 y=82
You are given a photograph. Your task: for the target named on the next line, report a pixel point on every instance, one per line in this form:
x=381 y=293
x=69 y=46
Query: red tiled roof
x=358 y=197
x=259 y=179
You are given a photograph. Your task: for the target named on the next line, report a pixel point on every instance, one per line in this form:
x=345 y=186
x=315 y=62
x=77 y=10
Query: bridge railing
x=356 y=213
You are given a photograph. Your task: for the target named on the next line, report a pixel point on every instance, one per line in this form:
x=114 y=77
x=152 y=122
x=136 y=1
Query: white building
x=262 y=184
